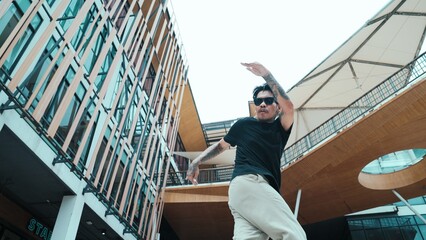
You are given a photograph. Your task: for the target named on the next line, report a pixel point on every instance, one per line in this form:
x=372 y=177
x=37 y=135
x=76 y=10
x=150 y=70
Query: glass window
x=80 y=130
x=140 y=124
x=114 y=85
x=389 y=222
x=117 y=179
x=371 y=223
x=69 y=116
x=110 y=172
x=70 y=13
x=392 y=233
x=144 y=60
x=128 y=27
x=374 y=234
x=99 y=81
x=123 y=11
x=410 y=232
x=128 y=121
x=123 y=180
x=419 y=153
x=22 y=43
x=399 y=204
x=149 y=81
x=84 y=154
x=57 y=98
x=27 y=87
x=144 y=138
x=142 y=196
x=394 y=162
x=148 y=165
x=106 y=164
x=406 y=220
x=88 y=38
x=416 y=201
x=98 y=158
x=129 y=202
x=9 y=21
x=420 y=221
x=392 y=228
x=50 y=2
x=124 y=99
x=423 y=231
x=11 y=18
x=84 y=27
x=97 y=48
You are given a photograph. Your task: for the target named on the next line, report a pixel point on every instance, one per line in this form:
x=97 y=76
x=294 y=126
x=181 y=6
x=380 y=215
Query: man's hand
x=211 y=152
x=192 y=173
x=257 y=69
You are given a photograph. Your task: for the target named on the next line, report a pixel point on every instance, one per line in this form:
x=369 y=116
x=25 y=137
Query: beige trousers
x=260 y=212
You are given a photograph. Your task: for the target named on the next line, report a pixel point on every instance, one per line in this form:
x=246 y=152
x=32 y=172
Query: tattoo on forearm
x=275 y=86
x=215 y=150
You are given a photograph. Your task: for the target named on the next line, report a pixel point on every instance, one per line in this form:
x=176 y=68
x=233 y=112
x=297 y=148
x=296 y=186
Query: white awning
x=386 y=43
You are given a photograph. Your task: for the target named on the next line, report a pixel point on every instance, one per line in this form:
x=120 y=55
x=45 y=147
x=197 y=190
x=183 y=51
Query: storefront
x=18 y=224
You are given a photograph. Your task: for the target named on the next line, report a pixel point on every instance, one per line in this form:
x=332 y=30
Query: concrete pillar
x=66 y=225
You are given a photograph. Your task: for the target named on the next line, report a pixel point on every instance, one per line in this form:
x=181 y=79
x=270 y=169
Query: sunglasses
x=267 y=100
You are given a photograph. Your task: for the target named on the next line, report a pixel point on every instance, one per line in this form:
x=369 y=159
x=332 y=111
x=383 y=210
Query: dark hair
x=264 y=87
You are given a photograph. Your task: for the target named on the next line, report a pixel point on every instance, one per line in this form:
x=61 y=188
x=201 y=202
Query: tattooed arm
x=209 y=153
x=286 y=108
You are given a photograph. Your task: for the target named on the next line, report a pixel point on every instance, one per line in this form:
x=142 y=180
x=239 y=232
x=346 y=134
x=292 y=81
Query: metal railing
x=207 y=175
x=371 y=100
x=358 y=109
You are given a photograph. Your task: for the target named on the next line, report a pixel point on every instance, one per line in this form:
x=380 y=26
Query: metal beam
x=409 y=206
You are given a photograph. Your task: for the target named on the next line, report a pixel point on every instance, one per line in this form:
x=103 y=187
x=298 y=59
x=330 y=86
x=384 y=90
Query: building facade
x=90 y=99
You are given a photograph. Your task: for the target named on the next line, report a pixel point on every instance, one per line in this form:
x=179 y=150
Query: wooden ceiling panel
x=190 y=128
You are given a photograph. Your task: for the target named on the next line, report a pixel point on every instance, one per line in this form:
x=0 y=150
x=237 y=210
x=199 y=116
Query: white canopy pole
x=296 y=209
x=409 y=206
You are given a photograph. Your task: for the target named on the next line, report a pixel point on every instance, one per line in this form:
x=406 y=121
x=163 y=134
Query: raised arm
x=286 y=106
x=211 y=152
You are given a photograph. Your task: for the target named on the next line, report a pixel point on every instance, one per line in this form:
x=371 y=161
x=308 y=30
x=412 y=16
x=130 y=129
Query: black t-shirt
x=260 y=146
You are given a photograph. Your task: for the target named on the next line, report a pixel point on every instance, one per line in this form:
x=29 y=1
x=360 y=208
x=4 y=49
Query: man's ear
x=278 y=109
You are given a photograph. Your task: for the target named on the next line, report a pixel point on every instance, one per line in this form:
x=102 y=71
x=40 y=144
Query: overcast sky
x=289 y=37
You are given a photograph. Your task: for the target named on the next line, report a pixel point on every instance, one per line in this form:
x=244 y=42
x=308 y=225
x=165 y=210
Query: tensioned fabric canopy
x=386 y=43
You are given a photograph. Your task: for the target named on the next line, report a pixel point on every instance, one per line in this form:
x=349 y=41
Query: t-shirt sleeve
x=232 y=136
x=285 y=133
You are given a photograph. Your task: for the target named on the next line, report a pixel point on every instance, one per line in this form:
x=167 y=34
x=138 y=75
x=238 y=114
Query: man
x=258 y=208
